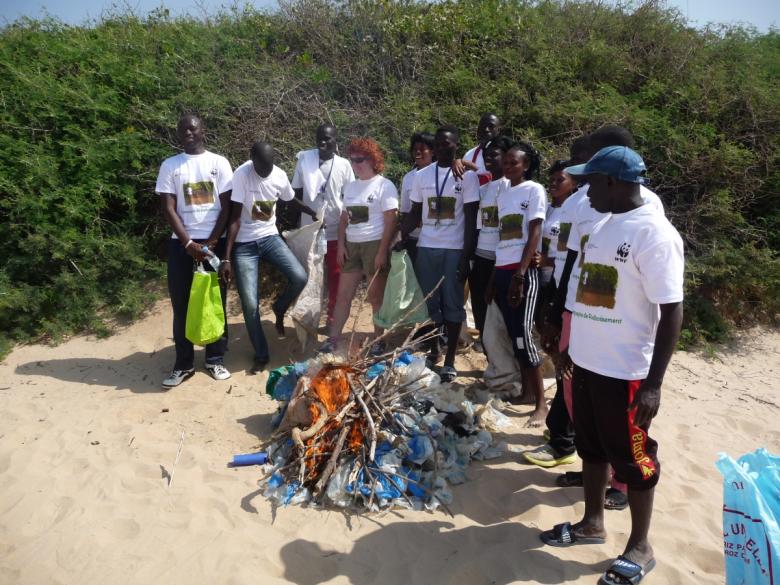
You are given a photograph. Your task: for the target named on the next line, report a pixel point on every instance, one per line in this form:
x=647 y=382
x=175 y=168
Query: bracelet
x=187 y=245
x=224 y=261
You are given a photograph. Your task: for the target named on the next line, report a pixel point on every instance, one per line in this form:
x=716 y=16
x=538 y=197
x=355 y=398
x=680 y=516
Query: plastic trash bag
x=491 y=419
x=205 y=317
x=402 y=294
x=503 y=371
x=305 y=245
x=751 y=535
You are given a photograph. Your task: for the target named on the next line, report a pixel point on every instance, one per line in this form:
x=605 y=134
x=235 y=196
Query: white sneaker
x=177 y=377
x=218 y=371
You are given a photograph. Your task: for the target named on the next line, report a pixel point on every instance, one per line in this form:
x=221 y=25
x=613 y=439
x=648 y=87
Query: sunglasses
x=358 y=159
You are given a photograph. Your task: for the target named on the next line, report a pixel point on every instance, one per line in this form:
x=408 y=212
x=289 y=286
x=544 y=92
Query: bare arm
x=410 y=221
x=222 y=220
x=234 y=224
x=341 y=253
x=470 y=211
x=647 y=400
x=297 y=204
x=390 y=226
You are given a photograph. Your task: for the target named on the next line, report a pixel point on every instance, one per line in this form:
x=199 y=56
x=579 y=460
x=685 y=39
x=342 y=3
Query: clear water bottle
x=322 y=242
x=212 y=258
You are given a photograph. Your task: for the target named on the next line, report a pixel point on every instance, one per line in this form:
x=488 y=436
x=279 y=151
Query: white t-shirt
x=443 y=228
x=365 y=203
x=478 y=160
x=197 y=181
x=335 y=173
x=585 y=218
x=517 y=207
x=550 y=231
x=564 y=230
x=259 y=196
x=407 y=184
x=487 y=220
x=633 y=262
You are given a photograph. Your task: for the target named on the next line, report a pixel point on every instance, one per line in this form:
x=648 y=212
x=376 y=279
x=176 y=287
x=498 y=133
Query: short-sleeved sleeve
x=662 y=268
x=286 y=193
x=573 y=243
x=165 y=182
x=389 y=196
x=415 y=196
x=239 y=190
x=537 y=204
x=224 y=176
x=470 y=187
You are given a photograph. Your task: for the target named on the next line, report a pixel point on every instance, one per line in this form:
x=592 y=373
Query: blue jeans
x=247 y=256
x=180 y=268
x=446 y=304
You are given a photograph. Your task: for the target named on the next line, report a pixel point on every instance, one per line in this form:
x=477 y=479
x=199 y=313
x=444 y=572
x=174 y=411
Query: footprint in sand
x=125 y=528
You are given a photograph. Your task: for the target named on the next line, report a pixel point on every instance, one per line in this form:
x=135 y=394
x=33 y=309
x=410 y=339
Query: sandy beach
x=89 y=443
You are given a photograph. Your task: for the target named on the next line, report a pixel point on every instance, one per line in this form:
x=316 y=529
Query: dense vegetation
x=88 y=115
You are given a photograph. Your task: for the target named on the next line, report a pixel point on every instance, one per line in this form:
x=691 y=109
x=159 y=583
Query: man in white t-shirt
x=194 y=189
x=488 y=129
x=253 y=237
x=319 y=179
x=448 y=209
x=626 y=320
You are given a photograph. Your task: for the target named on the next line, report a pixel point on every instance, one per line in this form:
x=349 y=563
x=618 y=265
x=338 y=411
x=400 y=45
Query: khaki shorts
x=361 y=257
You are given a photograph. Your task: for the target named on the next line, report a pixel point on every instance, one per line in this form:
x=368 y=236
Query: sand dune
x=88 y=443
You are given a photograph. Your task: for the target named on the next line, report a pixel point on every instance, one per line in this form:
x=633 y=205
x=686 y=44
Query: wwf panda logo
x=458 y=188
x=524 y=205
x=622 y=252
x=214 y=172
x=555 y=230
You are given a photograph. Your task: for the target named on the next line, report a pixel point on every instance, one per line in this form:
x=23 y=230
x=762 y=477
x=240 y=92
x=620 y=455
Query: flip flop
x=562 y=535
x=614 y=499
x=628 y=572
x=569 y=479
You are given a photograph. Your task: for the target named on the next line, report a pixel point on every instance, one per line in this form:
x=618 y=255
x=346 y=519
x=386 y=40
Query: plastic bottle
x=212 y=258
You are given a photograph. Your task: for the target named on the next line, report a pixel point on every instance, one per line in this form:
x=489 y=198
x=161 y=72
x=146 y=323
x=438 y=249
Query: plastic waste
x=212 y=258
x=259 y=458
x=402 y=295
x=491 y=419
x=503 y=371
x=305 y=313
x=751 y=535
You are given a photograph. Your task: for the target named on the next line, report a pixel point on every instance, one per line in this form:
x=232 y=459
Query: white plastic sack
x=503 y=371
x=306 y=312
x=751 y=536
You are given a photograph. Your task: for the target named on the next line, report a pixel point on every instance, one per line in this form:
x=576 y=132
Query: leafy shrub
x=89 y=113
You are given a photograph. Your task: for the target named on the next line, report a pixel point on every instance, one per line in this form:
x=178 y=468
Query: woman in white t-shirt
x=515 y=282
x=421 y=149
x=368 y=223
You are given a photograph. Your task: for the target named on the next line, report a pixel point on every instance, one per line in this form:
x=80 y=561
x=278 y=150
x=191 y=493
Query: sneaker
x=218 y=371
x=177 y=377
x=328 y=347
x=448 y=373
x=546 y=456
x=478 y=347
x=377 y=349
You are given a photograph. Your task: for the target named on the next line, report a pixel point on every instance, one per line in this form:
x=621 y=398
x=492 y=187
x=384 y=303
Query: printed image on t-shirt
x=598 y=285
x=583 y=240
x=441 y=208
x=263 y=210
x=200 y=193
x=511 y=227
x=563 y=236
x=357 y=214
x=490 y=216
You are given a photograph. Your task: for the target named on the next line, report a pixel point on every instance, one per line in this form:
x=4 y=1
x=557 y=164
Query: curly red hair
x=370 y=148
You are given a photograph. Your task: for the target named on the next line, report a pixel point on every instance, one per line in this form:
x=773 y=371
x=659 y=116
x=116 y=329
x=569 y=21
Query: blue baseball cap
x=619 y=162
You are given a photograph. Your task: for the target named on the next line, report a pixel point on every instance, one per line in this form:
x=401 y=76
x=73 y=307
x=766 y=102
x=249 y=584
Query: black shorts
x=604 y=430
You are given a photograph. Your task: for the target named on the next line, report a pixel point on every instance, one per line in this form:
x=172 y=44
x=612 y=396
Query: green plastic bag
x=205 y=316
x=402 y=293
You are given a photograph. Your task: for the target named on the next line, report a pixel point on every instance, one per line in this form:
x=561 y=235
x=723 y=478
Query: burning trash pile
x=373 y=436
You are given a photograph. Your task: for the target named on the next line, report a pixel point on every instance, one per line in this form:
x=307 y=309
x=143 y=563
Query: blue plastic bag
x=751 y=535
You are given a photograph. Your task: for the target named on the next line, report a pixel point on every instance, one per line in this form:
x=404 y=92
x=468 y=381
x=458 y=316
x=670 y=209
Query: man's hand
x=380 y=261
x=537 y=261
x=514 y=295
x=196 y=251
x=458 y=168
x=563 y=363
x=647 y=401
x=309 y=211
x=341 y=255
x=226 y=272
x=399 y=246
x=551 y=338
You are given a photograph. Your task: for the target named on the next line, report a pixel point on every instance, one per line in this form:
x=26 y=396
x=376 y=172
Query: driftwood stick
x=371 y=427
x=299 y=436
x=334 y=456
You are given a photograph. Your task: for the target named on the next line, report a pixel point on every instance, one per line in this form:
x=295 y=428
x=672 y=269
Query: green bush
x=89 y=112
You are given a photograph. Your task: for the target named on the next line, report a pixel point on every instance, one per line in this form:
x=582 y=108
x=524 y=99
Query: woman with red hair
x=368 y=224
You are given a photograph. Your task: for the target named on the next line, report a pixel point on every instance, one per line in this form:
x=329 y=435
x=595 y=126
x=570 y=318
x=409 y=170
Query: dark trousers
x=180 y=268
x=558 y=422
x=479 y=276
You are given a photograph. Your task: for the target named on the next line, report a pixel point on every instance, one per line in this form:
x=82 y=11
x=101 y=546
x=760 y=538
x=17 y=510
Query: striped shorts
x=519 y=321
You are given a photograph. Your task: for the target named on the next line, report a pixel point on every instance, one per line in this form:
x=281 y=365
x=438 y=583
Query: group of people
x=595 y=270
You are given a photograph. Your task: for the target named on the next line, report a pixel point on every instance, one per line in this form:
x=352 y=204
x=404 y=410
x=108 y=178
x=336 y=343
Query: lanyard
x=440 y=192
x=327 y=179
